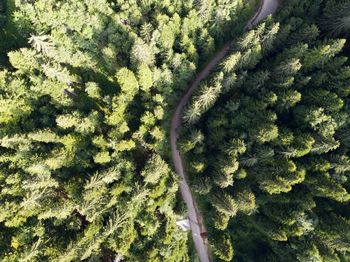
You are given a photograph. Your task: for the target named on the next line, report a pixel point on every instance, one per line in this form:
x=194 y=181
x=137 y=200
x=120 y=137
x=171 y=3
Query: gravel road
x=196 y=221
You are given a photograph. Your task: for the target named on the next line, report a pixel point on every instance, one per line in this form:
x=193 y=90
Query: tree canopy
x=87 y=91
x=273 y=119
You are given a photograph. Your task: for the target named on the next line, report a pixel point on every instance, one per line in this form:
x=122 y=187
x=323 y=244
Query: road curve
x=267 y=7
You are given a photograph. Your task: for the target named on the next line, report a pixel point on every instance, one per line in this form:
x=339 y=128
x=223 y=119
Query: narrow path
x=196 y=221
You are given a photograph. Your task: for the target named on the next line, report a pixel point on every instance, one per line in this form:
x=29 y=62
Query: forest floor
x=196 y=220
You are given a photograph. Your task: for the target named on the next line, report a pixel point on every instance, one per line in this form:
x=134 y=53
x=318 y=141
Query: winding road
x=199 y=235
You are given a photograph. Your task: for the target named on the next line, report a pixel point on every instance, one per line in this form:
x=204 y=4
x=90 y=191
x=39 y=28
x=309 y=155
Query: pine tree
x=223 y=248
x=336 y=18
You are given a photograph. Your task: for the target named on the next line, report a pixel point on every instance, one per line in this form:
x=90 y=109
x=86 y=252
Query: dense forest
x=267 y=139
x=87 y=91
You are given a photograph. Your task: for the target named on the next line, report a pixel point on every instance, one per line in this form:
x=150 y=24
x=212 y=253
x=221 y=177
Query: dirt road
x=196 y=221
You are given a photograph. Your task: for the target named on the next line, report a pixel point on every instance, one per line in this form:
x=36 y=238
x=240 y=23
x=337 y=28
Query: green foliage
x=86 y=92
x=83 y=103
x=223 y=248
x=127 y=82
x=274 y=139
x=336 y=18
x=87 y=89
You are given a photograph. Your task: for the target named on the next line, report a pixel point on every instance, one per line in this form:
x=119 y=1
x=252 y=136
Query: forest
x=87 y=92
